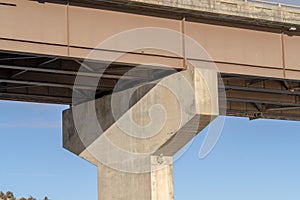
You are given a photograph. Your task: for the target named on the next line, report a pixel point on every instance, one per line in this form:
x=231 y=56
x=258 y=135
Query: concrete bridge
x=251 y=57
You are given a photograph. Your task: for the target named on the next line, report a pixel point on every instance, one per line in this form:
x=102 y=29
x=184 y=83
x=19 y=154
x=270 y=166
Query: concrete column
x=133 y=145
x=155 y=185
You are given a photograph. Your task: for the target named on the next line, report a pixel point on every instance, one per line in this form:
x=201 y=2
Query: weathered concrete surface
x=240 y=9
x=134 y=148
x=156 y=184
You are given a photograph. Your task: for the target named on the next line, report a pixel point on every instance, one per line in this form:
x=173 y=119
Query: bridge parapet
x=255 y=9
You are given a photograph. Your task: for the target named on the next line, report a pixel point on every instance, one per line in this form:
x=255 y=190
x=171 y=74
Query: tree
x=9 y=195
x=31 y=198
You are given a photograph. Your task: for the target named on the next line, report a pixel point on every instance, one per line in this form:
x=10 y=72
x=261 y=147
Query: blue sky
x=295 y=2
x=33 y=161
x=257 y=159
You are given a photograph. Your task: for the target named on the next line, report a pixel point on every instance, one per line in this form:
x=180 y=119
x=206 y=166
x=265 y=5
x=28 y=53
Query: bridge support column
x=155 y=185
x=133 y=146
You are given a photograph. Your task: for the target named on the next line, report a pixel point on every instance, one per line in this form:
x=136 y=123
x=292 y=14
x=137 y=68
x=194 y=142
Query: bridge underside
x=46 y=79
x=43 y=43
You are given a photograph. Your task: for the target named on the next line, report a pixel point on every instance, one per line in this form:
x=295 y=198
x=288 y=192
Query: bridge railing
x=261 y=2
x=272 y=3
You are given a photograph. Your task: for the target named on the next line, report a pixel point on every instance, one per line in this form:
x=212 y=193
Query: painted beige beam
x=34 y=21
x=236 y=50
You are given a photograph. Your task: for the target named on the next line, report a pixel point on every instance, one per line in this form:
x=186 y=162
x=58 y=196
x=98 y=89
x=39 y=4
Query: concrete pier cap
x=133 y=134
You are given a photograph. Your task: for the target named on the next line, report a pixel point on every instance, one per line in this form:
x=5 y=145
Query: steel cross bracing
x=257 y=57
x=50 y=80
